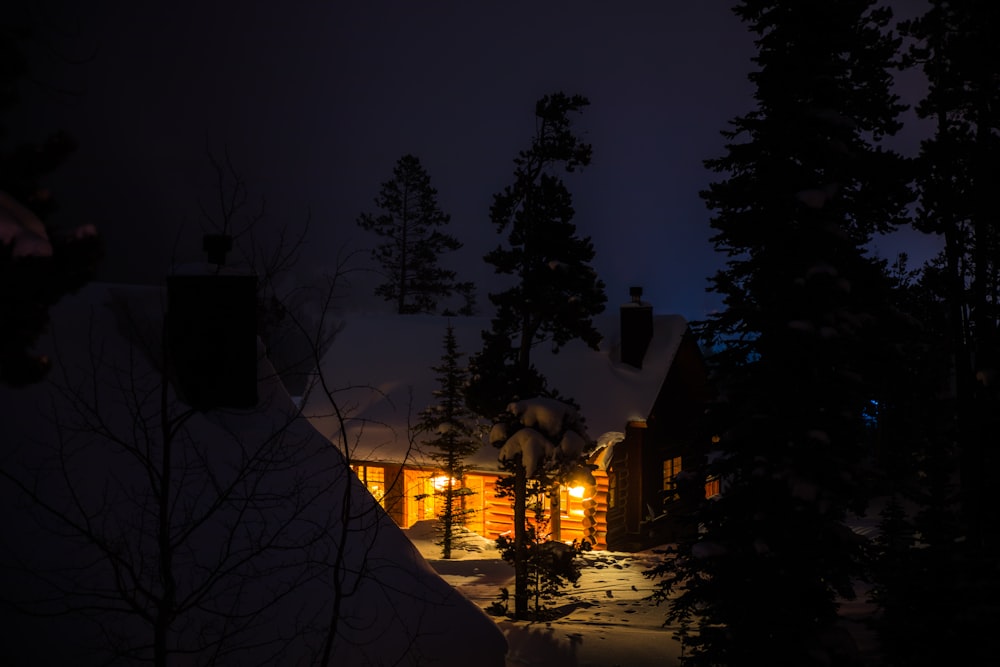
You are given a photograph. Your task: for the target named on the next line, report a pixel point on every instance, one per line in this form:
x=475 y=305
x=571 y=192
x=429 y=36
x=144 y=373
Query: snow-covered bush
x=545 y=435
x=543 y=441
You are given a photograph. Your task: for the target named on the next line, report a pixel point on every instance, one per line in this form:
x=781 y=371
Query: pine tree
x=942 y=585
x=411 y=222
x=913 y=570
x=959 y=53
x=556 y=293
x=451 y=427
x=545 y=439
x=804 y=188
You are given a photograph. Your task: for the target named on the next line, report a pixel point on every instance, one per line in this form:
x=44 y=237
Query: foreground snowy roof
x=273 y=540
x=381 y=365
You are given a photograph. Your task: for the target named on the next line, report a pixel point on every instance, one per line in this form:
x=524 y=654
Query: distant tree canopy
x=410 y=222
x=556 y=292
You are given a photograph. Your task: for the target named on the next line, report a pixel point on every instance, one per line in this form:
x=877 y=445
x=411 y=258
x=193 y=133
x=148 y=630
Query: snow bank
x=266 y=520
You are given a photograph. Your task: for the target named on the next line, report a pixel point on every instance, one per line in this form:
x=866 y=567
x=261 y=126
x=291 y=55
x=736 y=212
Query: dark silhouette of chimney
x=212 y=337
x=636 y=328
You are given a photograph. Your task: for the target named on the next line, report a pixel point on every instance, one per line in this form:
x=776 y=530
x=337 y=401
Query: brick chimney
x=636 y=328
x=212 y=337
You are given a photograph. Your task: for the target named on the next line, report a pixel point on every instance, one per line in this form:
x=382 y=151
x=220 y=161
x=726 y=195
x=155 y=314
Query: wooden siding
x=490 y=516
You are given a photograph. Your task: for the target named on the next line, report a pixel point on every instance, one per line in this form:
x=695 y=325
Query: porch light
x=441 y=482
x=576 y=491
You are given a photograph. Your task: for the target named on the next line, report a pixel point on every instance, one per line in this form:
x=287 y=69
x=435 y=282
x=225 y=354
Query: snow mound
x=267 y=522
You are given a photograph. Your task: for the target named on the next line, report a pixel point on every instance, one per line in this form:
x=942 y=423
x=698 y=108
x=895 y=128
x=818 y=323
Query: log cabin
x=641 y=394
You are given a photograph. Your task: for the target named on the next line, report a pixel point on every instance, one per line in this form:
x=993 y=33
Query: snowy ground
x=607 y=622
x=604 y=621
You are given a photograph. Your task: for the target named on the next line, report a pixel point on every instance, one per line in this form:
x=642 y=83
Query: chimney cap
x=635 y=292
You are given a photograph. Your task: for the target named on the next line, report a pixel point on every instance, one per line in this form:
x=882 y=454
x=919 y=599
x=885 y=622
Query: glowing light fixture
x=441 y=482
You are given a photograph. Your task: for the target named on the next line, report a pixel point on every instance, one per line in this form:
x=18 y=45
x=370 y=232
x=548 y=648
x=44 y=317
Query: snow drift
x=242 y=534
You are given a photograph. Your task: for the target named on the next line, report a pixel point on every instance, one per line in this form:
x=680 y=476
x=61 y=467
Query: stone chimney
x=636 y=328
x=212 y=336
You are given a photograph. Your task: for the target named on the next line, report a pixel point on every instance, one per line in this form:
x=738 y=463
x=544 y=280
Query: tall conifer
x=450 y=427
x=410 y=222
x=555 y=295
x=804 y=187
x=959 y=53
x=939 y=583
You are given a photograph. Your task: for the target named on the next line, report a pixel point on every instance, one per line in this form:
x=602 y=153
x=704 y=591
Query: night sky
x=316 y=101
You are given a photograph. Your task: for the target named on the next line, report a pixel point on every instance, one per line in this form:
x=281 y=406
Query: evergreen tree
x=804 y=189
x=410 y=222
x=913 y=570
x=939 y=580
x=546 y=439
x=556 y=293
x=960 y=55
x=451 y=427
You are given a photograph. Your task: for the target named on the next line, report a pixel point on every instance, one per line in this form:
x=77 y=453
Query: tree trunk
x=521 y=556
x=555 y=513
x=165 y=605
x=448 y=517
x=403 y=259
x=983 y=340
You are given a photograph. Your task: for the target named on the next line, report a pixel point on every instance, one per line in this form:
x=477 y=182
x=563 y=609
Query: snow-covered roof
x=256 y=517
x=381 y=367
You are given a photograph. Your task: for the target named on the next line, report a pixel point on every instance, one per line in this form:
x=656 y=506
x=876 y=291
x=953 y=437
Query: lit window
x=374 y=480
x=571 y=500
x=671 y=468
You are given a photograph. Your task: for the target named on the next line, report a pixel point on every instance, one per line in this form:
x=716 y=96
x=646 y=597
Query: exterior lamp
x=441 y=482
x=579 y=480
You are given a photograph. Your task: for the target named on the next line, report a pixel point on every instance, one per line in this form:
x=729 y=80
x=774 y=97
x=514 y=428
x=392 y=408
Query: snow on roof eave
x=383 y=381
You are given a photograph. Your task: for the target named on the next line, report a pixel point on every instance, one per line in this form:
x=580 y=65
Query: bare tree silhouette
x=148 y=532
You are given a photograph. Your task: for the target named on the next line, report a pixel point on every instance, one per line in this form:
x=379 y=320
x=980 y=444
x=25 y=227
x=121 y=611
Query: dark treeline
x=845 y=383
